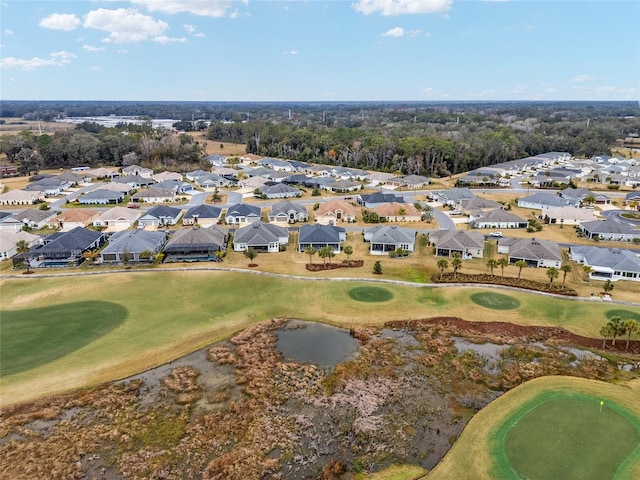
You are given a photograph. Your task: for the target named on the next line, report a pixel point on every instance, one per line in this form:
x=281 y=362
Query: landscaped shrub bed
x=318 y=267
x=486 y=279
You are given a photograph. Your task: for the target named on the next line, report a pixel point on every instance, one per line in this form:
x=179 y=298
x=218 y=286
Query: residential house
x=217 y=160
x=101 y=197
x=470 y=205
x=160 y=216
x=465 y=243
x=242 y=214
x=249 y=158
x=451 y=197
x=610 y=229
x=607 y=263
x=118 y=218
x=196 y=244
x=135 y=181
x=297 y=179
x=380 y=178
x=576 y=196
x=497 y=218
x=72 y=218
x=342 y=186
x=73 y=179
x=50 y=186
x=262 y=237
x=128 y=245
x=202 y=215
x=542 y=201
x=279 y=190
x=9 y=241
x=211 y=181
x=384 y=239
x=177 y=186
x=34 y=217
x=288 y=212
x=154 y=195
x=136 y=170
x=8 y=223
x=115 y=187
x=162 y=176
x=62 y=249
x=414 y=181
x=191 y=176
x=319 y=236
x=278 y=176
x=632 y=197
x=536 y=252
x=398 y=212
x=335 y=211
x=21 y=197
x=101 y=173
x=275 y=164
x=568 y=215
x=375 y=199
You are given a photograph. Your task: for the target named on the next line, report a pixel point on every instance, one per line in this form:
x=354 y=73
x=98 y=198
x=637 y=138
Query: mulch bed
x=318 y=267
x=486 y=279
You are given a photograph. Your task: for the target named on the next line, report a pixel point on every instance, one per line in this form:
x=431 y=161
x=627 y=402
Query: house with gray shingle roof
x=101 y=197
x=384 y=239
x=127 y=245
x=609 y=230
x=262 y=237
x=160 y=216
x=65 y=248
x=467 y=244
x=288 y=212
x=497 y=218
x=34 y=217
x=279 y=190
x=154 y=195
x=319 y=236
x=451 y=196
x=375 y=199
x=542 y=201
x=136 y=181
x=607 y=263
x=469 y=205
x=575 y=196
x=536 y=252
x=196 y=244
x=202 y=215
x=569 y=215
x=242 y=213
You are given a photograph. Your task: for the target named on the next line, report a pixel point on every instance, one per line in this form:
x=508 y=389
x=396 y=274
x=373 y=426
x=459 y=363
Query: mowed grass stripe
x=170 y=314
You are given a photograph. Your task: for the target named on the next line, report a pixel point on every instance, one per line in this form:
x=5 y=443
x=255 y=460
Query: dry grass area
x=14 y=126
x=212 y=147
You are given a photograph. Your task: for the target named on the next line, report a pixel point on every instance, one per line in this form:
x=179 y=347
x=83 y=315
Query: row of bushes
x=487 y=279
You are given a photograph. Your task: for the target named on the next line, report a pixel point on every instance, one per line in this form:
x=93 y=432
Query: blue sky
x=314 y=50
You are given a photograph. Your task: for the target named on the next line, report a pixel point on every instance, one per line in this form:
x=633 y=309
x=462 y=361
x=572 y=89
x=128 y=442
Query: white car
x=496 y=234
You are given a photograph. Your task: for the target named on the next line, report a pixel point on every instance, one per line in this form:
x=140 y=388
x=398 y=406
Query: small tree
x=491 y=264
x=503 y=262
x=348 y=251
x=22 y=248
x=146 y=255
x=606 y=332
x=608 y=286
x=442 y=266
x=90 y=255
x=311 y=252
x=159 y=257
x=456 y=263
x=323 y=253
x=521 y=264
x=251 y=254
x=617 y=328
x=126 y=257
x=566 y=268
x=630 y=326
x=552 y=273
x=377 y=267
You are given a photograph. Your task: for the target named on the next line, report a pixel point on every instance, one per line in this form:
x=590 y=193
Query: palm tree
x=616 y=326
x=606 y=332
x=22 y=248
x=521 y=264
x=503 y=262
x=330 y=253
x=552 y=272
x=311 y=252
x=587 y=270
x=250 y=253
x=566 y=268
x=90 y=255
x=456 y=263
x=442 y=265
x=492 y=263
x=323 y=253
x=348 y=251
x=630 y=326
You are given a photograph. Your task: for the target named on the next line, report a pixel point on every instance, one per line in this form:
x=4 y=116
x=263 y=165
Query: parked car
x=456 y=212
x=496 y=234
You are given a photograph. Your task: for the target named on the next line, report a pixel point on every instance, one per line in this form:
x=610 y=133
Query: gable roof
x=533 y=248
x=614 y=258
x=500 y=215
x=544 y=199
x=285 y=207
x=260 y=233
x=457 y=239
x=186 y=238
x=333 y=206
x=133 y=241
x=478 y=203
x=76 y=215
x=203 y=211
x=120 y=213
x=77 y=239
x=34 y=215
x=103 y=194
x=380 y=197
x=392 y=209
x=609 y=226
x=390 y=234
x=243 y=210
x=163 y=211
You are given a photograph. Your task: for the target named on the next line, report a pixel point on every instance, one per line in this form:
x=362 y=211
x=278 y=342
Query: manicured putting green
x=624 y=314
x=370 y=294
x=569 y=438
x=33 y=337
x=495 y=301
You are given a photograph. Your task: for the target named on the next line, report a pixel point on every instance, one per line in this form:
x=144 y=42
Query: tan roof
x=335 y=205
x=123 y=213
x=391 y=210
x=76 y=215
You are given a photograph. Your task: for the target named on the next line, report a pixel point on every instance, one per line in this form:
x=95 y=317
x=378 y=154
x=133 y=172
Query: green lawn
x=495 y=301
x=568 y=437
x=370 y=294
x=84 y=330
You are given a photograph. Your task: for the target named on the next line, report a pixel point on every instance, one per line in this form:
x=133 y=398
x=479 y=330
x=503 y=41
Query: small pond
x=316 y=343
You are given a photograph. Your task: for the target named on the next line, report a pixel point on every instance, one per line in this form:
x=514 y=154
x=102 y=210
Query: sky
x=320 y=50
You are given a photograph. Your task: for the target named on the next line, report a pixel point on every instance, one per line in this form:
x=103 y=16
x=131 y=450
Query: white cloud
x=90 y=48
x=394 y=32
x=290 y=52
x=190 y=28
x=580 y=78
x=402 y=7
x=124 y=25
x=56 y=59
x=200 y=35
x=210 y=8
x=8 y=32
x=60 y=21
x=164 y=39
x=427 y=35
x=95 y=69
x=122 y=50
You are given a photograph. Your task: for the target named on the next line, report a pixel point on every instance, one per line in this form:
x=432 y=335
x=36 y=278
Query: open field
x=14 y=126
x=475 y=454
x=169 y=314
